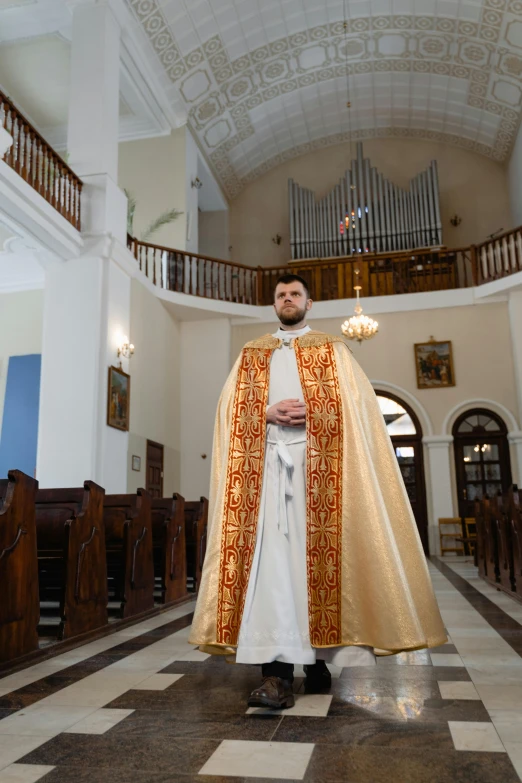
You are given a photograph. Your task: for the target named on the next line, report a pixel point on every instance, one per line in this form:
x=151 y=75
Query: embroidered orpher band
x=324 y=481
x=243 y=490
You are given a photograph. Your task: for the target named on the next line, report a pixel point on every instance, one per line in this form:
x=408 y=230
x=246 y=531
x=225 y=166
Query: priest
x=313 y=554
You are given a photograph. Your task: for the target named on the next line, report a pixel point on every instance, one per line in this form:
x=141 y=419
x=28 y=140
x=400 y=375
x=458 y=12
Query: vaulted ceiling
x=263 y=81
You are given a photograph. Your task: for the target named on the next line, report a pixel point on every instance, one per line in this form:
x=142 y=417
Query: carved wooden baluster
x=79 y=186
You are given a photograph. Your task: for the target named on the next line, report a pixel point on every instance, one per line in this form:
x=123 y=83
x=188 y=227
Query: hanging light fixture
x=359 y=327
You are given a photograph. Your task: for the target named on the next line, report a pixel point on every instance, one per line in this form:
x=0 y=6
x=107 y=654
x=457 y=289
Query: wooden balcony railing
x=500 y=257
x=190 y=273
x=36 y=162
x=380 y=274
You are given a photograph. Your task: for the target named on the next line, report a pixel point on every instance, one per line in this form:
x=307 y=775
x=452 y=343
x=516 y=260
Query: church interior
x=162 y=164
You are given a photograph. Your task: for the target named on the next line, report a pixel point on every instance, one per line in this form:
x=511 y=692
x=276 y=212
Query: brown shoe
x=274 y=693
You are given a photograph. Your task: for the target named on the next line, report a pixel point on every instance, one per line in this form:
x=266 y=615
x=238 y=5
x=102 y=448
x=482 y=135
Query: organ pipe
x=374 y=216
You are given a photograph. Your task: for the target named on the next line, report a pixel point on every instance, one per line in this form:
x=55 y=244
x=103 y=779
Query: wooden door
x=483 y=465
x=406 y=436
x=155 y=469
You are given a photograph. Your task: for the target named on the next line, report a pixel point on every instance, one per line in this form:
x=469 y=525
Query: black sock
x=279 y=669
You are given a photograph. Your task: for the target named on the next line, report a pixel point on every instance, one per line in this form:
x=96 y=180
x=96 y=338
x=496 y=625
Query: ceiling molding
x=253 y=98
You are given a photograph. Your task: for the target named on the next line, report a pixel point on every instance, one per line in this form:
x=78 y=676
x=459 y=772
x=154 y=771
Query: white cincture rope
x=283 y=486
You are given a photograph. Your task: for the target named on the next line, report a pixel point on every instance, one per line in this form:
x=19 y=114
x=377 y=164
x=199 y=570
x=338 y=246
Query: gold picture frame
x=434 y=366
x=118 y=399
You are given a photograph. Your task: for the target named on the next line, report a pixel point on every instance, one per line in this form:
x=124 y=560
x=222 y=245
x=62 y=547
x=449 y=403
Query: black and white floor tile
x=141 y=706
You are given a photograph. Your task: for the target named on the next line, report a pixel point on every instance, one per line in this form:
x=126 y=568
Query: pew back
x=168 y=535
x=71 y=556
x=19 y=607
x=196 y=523
x=128 y=529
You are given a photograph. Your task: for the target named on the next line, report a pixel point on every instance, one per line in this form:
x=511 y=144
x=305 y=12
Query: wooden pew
x=480 y=549
x=168 y=537
x=19 y=604
x=514 y=513
x=490 y=543
x=498 y=506
x=71 y=556
x=130 y=566
x=196 y=522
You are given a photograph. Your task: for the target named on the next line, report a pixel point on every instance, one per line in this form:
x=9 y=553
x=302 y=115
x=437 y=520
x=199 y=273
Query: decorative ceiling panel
x=263 y=81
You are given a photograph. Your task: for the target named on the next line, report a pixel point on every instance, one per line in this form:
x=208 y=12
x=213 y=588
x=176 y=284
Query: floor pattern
x=141 y=706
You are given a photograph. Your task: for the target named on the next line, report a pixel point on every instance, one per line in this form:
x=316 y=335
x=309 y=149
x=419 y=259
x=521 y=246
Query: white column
x=515 y=323
x=515 y=181
x=92 y=135
x=87 y=299
x=205 y=365
x=515 y=440
x=440 y=487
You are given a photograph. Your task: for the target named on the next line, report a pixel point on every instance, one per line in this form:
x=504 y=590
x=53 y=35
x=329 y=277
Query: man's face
x=291 y=303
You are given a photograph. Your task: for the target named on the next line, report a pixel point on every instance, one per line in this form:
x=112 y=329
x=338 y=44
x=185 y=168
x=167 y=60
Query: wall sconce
x=197 y=183
x=455 y=220
x=277 y=239
x=126 y=349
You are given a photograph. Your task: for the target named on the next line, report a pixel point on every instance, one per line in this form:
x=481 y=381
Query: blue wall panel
x=20 y=421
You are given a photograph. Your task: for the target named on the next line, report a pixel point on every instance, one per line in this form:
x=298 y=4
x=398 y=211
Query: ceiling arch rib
x=257 y=94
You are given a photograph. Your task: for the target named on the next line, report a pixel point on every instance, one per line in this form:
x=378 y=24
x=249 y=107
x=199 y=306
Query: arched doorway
x=482 y=460
x=405 y=432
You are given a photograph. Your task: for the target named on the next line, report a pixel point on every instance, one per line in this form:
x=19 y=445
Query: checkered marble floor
x=141 y=706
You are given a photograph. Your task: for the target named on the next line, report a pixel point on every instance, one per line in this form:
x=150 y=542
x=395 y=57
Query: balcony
x=382 y=274
x=39 y=165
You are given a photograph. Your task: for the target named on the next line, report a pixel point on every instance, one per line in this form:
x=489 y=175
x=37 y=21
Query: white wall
x=154 y=172
x=20 y=331
x=515 y=180
x=205 y=364
x=155 y=374
x=214 y=237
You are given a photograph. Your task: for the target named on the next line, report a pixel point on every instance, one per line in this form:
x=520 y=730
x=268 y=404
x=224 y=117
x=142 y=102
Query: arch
x=406 y=396
x=468 y=405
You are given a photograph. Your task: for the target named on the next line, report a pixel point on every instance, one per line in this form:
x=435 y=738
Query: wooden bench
x=514 y=515
x=506 y=577
x=168 y=537
x=196 y=522
x=130 y=566
x=19 y=604
x=71 y=557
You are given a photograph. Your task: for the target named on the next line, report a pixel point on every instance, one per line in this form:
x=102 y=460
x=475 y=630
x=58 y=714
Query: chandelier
x=359 y=327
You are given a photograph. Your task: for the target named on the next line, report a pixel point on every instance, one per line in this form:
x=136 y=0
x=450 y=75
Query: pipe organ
x=365 y=213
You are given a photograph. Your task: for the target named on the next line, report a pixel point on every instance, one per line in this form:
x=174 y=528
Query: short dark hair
x=290 y=278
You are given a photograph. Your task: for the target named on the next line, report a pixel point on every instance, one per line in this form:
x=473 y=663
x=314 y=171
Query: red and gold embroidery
x=320 y=385
x=243 y=490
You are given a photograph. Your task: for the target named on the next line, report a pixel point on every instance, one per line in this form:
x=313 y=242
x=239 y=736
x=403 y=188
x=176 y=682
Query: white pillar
x=205 y=365
x=87 y=299
x=515 y=440
x=92 y=135
x=440 y=486
x=515 y=180
x=515 y=323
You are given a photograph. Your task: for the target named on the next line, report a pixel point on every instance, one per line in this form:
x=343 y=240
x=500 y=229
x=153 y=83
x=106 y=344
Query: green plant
x=167 y=217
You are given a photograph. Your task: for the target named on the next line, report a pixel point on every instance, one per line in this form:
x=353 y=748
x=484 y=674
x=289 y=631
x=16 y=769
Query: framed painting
x=434 y=365
x=118 y=399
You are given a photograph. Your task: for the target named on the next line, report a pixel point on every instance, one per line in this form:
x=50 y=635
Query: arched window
x=482 y=460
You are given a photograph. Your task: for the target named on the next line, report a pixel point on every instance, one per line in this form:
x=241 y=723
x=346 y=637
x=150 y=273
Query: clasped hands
x=287 y=413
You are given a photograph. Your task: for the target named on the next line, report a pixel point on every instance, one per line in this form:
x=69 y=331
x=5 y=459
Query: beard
x=292 y=316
